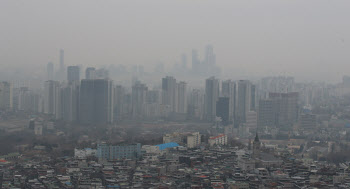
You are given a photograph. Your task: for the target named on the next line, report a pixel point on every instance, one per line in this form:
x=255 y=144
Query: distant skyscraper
x=90 y=73
x=211 y=96
x=73 y=73
x=139 y=95
x=184 y=61
x=96 y=101
x=279 y=84
x=62 y=69
x=210 y=57
x=50 y=71
x=169 y=93
x=182 y=97
x=6 y=96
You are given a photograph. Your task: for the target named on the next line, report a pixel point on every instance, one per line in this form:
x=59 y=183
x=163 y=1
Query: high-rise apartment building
x=182 y=97
x=228 y=89
x=169 y=93
x=51 y=96
x=70 y=102
x=243 y=100
x=6 y=96
x=196 y=104
x=119 y=102
x=139 y=97
x=211 y=96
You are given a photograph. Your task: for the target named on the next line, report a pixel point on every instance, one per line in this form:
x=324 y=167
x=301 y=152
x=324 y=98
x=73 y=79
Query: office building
x=96 y=101
x=267 y=113
x=223 y=109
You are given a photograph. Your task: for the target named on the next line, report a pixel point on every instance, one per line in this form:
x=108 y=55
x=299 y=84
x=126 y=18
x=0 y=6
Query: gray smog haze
x=308 y=39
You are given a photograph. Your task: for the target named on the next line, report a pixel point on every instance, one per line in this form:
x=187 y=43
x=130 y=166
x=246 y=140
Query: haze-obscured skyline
x=305 y=39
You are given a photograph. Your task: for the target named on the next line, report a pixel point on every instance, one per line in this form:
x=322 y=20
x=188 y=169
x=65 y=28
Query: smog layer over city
x=170 y=94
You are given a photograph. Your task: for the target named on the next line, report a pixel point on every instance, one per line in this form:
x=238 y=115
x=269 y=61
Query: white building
x=149 y=149
x=193 y=140
x=83 y=153
x=218 y=140
x=38 y=129
x=251 y=120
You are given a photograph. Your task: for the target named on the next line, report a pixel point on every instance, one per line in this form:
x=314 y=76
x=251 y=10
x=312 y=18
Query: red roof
x=217 y=136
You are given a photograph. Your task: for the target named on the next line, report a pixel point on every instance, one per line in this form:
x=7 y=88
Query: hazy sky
x=304 y=38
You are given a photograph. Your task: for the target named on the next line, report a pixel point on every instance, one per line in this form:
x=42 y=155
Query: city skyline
x=270 y=40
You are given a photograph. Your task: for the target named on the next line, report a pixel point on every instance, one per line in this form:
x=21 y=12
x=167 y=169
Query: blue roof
x=167 y=145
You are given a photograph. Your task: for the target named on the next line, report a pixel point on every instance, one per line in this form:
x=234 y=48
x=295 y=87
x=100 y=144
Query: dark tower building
x=223 y=109
x=96 y=101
